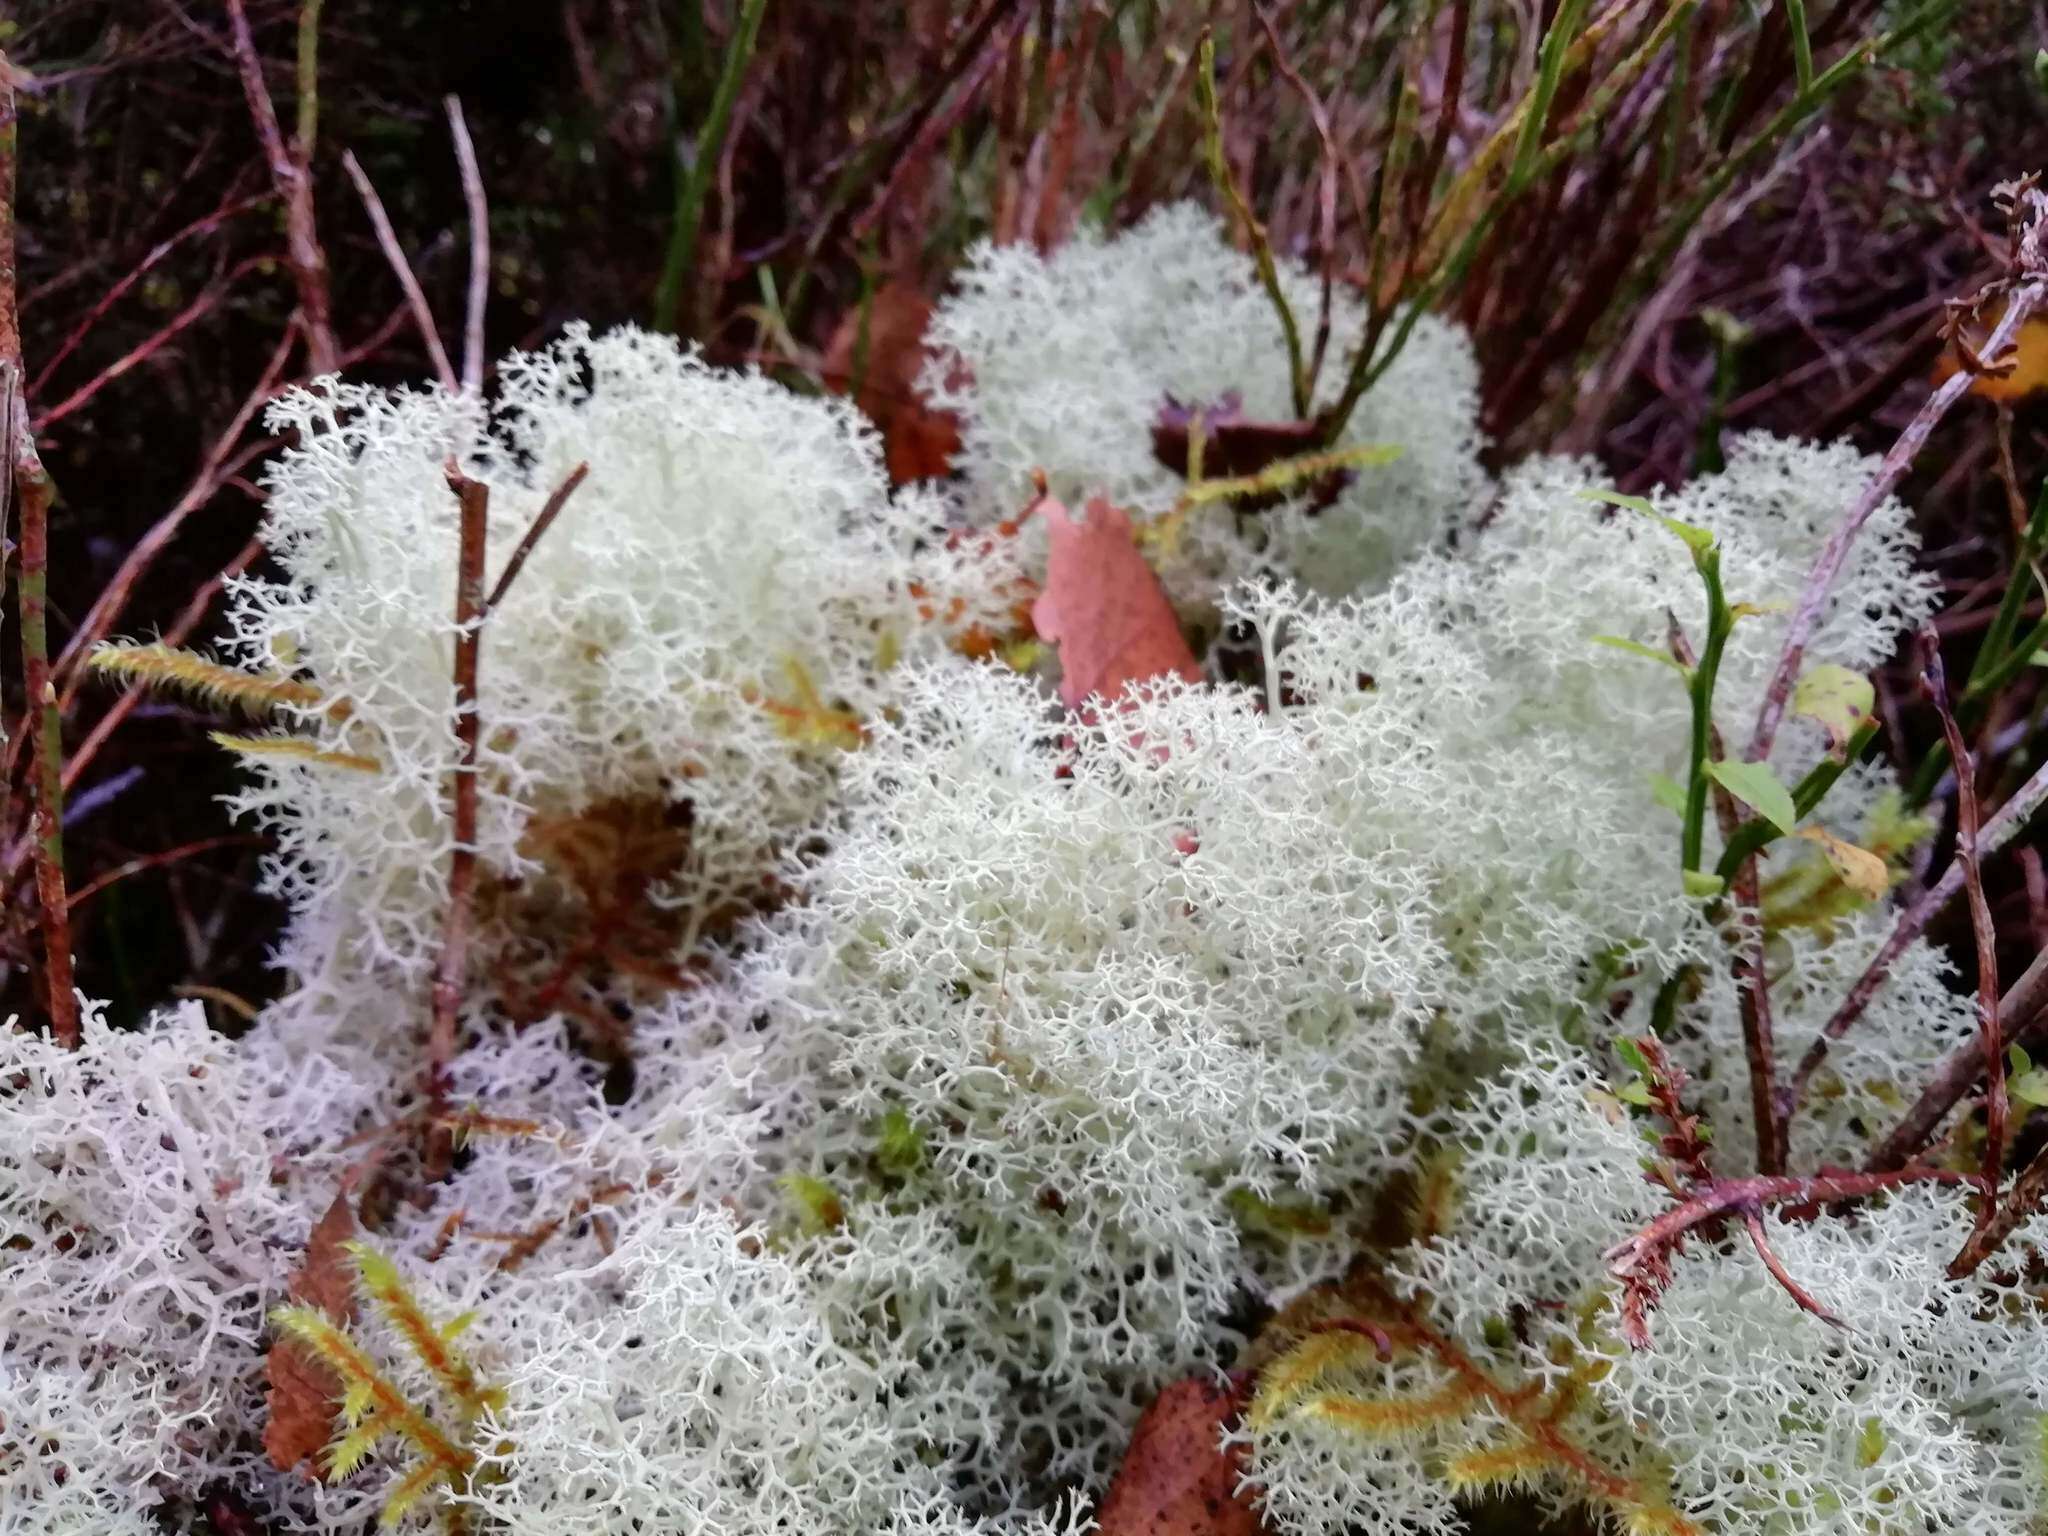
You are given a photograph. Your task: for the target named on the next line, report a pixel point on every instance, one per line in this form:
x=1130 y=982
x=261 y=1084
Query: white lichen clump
x=1064 y=363
x=993 y=1066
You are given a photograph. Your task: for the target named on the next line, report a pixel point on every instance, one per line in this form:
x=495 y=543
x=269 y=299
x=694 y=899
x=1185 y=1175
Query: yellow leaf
x=2029 y=356
x=1839 y=699
x=1861 y=870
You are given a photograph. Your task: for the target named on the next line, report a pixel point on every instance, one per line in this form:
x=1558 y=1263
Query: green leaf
x=1634 y=1093
x=1699 y=883
x=1839 y=699
x=1698 y=540
x=1870 y=1443
x=1757 y=786
x=1668 y=793
x=1647 y=652
x=1632 y=1055
x=2029 y=1087
x=2017 y=1060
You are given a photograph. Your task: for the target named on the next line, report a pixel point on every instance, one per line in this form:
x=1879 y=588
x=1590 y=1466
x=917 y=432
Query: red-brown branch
x=479 y=249
x=1997 y=1109
x=543 y=521
x=34 y=491
x=207 y=300
x=291 y=171
x=1642 y=1262
x=2030 y=266
x=113 y=296
x=2023 y=1014
x=1993 y=835
x=473 y=498
x=415 y=298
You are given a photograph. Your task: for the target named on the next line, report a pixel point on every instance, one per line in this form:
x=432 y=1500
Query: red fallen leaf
x=304 y=1391
x=920 y=442
x=1103 y=607
x=1234 y=446
x=1175 y=1479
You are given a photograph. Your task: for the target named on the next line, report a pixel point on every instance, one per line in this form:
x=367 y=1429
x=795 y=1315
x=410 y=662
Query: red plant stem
x=222 y=461
x=32 y=487
x=2023 y=1012
x=1760 y=1240
x=201 y=306
x=118 y=711
x=292 y=173
x=473 y=498
x=1752 y=975
x=1993 y=835
x=1997 y=1109
x=113 y=295
x=544 y=520
x=479 y=249
x=416 y=300
x=910 y=134
x=1743 y=1195
x=136 y=866
x=2021 y=1201
x=1821 y=580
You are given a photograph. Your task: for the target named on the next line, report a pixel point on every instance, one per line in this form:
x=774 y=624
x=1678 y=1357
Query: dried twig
x=204 y=303
x=2023 y=1013
x=291 y=171
x=474 y=499
x=1642 y=1262
x=1994 y=1226
x=1997 y=1110
x=479 y=250
x=1993 y=835
x=416 y=300
x=2030 y=265
x=200 y=226
x=33 y=489
x=542 y=521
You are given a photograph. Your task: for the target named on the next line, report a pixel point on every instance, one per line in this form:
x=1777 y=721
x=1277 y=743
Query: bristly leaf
x=1632 y=1055
x=1757 y=786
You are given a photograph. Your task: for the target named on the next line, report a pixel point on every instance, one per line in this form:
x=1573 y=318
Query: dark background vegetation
x=870 y=143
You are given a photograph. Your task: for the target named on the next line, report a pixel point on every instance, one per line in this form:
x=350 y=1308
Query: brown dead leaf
x=304 y=1391
x=1103 y=607
x=1176 y=1479
x=920 y=442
